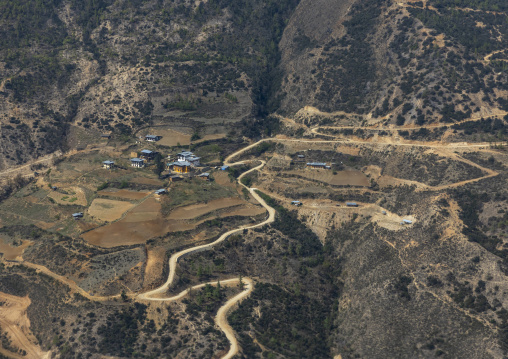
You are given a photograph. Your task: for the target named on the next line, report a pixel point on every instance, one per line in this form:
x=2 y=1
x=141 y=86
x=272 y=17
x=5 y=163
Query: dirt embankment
x=15 y=325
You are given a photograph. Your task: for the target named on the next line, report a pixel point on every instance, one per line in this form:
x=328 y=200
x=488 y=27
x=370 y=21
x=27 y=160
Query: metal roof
x=137 y=160
x=78 y=214
x=224 y=167
x=109 y=162
x=407 y=221
x=320 y=164
x=152 y=136
x=180 y=163
x=147 y=152
x=351 y=204
x=206 y=174
x=159 y=191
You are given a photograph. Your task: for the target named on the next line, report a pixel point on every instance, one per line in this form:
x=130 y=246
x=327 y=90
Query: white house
x=137 y=162
x=189 y=157
x=152 y=138
x=108 y=164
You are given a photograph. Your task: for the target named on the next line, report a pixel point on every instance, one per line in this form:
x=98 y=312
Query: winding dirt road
x=221 y=318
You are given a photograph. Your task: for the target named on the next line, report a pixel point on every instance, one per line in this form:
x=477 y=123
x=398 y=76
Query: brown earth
x=11 y=252
x=197 y=210
x=211 y=137
x=124 y=194
x=15 y=323
x=124 y=233
x=140 y=224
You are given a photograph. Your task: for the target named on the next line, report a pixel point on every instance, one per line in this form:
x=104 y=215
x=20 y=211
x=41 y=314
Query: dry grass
x=342 y=178
x=73 y=195
x=172 y=137
x=147 y=181
x=108 y=209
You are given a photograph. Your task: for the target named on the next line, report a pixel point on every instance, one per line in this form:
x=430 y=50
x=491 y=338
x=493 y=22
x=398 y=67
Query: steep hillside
x=418 y=62
x=120 y=65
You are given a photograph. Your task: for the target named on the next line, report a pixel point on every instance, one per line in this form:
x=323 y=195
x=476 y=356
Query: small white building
x=108 y=164
x=160 y=192
x=152 y=138
x=137 y=162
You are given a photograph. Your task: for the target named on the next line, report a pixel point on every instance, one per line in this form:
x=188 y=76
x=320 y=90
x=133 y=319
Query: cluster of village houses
x=186 y=161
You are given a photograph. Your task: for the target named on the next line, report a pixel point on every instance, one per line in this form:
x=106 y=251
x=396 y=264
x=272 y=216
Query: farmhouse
x=108 y=164
x=160 y=192
x=407 y=221
x=205 y=176
x=224 y=168
x=137 y=162
x=189 y=157
x=180 y=166
x=317 y=165
x=148 y=155
x=77 y=215
x=175 y=178
x=106 y=136
x=296 y=203
x=152 y=138
x=351 y=204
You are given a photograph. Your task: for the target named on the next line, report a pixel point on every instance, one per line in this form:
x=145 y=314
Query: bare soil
x=197 y=210
x=11 y=252
x=16 y=325
x=138 y=226
x=124 y=194
x=124 y=233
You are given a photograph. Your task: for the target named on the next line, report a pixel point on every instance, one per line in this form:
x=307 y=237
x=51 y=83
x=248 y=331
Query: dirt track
x=14 y=322
x=221 y=321
x=174 y=258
